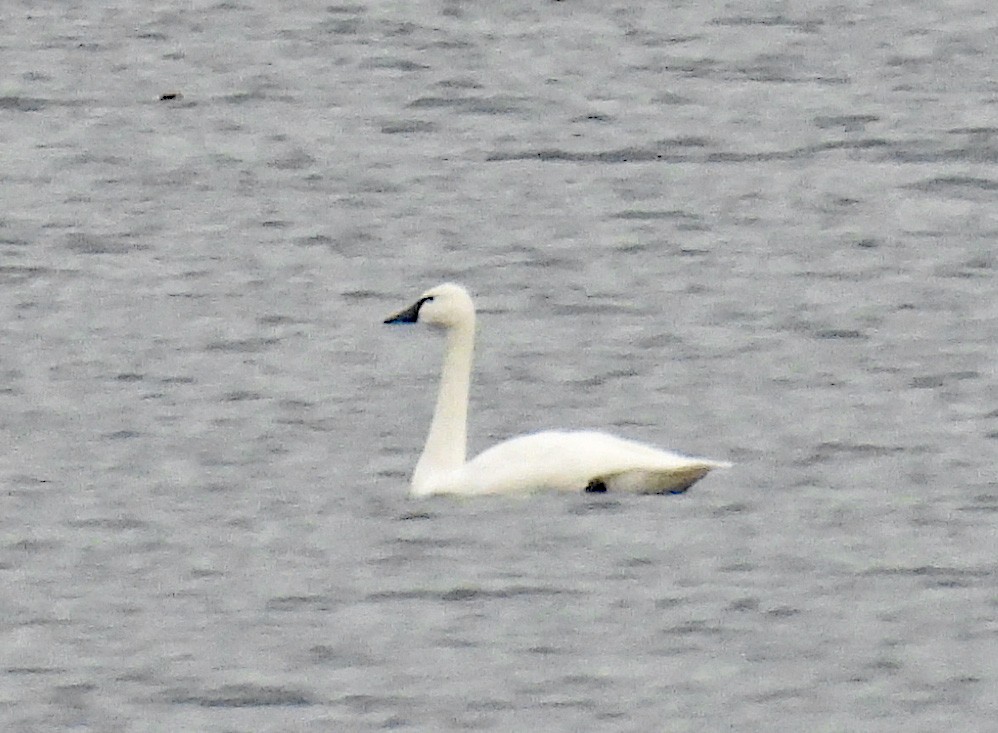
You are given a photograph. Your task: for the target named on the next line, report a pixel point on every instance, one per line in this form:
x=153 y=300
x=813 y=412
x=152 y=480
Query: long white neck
x=446 y=445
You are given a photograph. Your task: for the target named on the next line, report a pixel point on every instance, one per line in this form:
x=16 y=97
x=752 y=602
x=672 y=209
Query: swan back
x=572 y=461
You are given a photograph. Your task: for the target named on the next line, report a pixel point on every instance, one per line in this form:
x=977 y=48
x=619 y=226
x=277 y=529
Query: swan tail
x=672 y=481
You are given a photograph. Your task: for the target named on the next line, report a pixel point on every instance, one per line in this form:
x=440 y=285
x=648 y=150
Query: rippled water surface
x=758 y=231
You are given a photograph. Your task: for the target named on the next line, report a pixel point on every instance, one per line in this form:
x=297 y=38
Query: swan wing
x=575 y=461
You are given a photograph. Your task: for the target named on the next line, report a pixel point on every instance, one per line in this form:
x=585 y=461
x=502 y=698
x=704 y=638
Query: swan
x=553 y=460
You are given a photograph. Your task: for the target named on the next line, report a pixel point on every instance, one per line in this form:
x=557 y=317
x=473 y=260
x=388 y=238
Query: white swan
x=553 y=460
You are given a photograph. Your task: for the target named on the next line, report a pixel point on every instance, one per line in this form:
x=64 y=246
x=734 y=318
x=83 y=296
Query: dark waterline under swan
x=552 y=460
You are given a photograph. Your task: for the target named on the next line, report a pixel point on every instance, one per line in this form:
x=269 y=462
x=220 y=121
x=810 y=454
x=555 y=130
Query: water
x=762 y=232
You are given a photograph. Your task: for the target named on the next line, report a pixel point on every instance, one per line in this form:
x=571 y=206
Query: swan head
x=445 y=306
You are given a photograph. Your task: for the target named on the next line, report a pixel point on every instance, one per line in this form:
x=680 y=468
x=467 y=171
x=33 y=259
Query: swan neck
x=446 y=445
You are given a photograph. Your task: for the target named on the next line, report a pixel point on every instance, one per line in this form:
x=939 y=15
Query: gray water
x=758 y=231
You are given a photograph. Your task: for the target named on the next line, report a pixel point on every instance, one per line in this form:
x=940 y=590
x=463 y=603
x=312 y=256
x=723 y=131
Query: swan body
x=552 y=460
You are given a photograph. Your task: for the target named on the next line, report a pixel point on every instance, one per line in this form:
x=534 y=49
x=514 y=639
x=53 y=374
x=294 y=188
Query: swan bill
x=409 y=315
